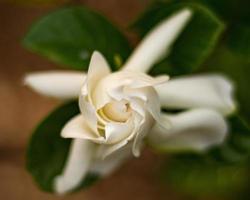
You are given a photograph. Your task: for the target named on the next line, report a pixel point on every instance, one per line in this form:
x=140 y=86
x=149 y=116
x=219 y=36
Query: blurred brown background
x=21 y=109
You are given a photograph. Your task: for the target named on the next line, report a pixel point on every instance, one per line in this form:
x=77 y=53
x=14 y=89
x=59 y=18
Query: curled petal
x=78 y=128
x=157 y=42
x=128 y=133
x=144 y=126
x=143 y=122
x=57 y=84
x=116 y=132
x=197 y=129
x=210 y=91
x=106 y=150
x=106 y=166
x=112 y=85
x=89 y=113
x=77 y=166
x=151 y=101
x=138 y=83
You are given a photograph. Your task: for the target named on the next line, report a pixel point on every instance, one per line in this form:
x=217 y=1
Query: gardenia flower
x=119 y=110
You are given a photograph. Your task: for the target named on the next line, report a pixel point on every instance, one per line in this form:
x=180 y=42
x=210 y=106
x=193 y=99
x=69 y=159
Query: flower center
x=118 y=111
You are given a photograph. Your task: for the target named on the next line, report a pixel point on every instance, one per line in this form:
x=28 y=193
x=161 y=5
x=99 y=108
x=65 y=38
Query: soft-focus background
x=21 y=109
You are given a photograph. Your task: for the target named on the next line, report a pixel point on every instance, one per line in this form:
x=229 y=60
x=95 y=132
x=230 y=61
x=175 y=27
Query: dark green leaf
x=240 y=139
x=239 y=41
x=199 y=175
x=69 y=36
x=195 y=43
x=236 y=148
x=230 y=10
x=224 y=8
x=48 y=151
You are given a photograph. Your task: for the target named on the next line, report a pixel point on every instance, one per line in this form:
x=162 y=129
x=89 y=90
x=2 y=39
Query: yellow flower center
x=118 y=111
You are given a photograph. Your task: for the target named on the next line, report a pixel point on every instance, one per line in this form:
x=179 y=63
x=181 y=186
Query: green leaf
x=236 y=148
x=194 y=44
x=197 y=175
x=240 y=139
x=69 y=36
x=239 y=41
x=225 y=8
x=48 y=151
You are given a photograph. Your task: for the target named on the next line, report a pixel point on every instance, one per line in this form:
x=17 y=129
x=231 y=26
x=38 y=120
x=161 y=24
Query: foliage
x=68 y=36
x=48 y=151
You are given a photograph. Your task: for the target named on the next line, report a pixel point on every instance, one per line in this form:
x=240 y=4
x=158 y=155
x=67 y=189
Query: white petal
x=113 y=84
x=210 y=91
x=116 y=132
x=78 y=128
x=144 y=128
x=157 y=42
x=197 y=129
x=143 y=122
x=57 y=84
x=77 y=166
x=106 y=150
x=88 y=112
x=112 y=162
x=98 y=69
x=151 y=99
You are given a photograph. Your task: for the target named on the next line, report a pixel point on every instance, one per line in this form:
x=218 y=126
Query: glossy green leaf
x=195 y=43
x=48 y=151
x=69 y=36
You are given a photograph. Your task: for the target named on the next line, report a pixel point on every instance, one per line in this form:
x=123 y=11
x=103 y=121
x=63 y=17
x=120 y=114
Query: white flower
x=120 y=109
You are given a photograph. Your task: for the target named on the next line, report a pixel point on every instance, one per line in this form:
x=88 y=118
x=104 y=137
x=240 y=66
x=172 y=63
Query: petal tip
x=59 y=186
x=183 y=15
x=137 y=154
x=187 y=12
x=97 y=54
x=136 y=150
x=28 y=79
